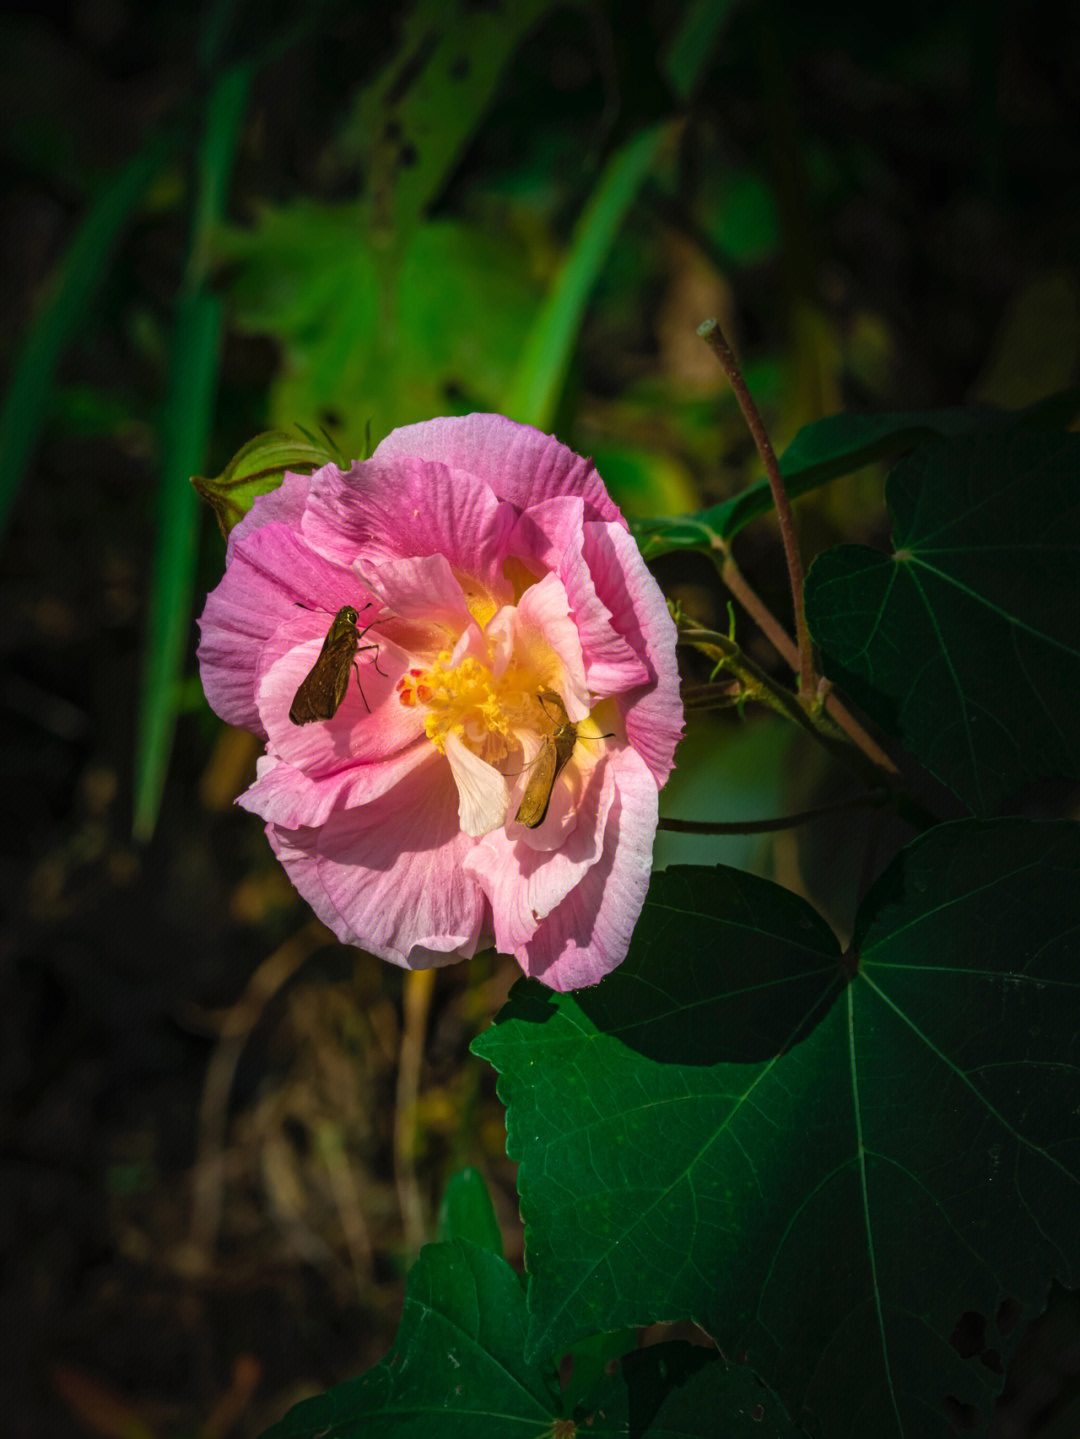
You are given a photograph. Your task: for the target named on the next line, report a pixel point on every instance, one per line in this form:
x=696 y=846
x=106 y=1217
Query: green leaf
x=468 y=1213
x=835 y=446
x=375 y=335
x=829 y=1189
x=258 y=468
x=962 y=643
x=457 y=1371
x=620 y=1092
x=411 y=124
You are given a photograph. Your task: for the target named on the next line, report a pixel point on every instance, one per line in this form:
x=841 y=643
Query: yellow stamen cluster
x=467 y=701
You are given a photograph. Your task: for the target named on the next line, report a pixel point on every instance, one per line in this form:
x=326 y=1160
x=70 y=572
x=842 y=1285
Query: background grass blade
x=186 y=420
x=534 y=395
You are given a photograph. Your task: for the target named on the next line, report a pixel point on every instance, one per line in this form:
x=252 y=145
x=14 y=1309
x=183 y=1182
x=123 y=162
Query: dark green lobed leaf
x=457 y=1371
x=833 y=1207
x=964 y=642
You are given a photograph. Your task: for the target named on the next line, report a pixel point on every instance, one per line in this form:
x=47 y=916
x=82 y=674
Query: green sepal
x=258 y=468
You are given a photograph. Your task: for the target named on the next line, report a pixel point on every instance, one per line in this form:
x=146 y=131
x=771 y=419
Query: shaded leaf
x=832 y=1206
x=468 y=1213
x=457 y=1371
x=835 y=446
x=959 y=643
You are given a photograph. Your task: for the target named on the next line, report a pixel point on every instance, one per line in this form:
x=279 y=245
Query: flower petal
x=393 y=871
x=424 y=591
x=524 y=883
x=483 y=794
x=545 y=530
x=285 y=506
x=588 y=934
x=272 y=572
x=639 y=612
x=520 y=463
x=543 y=623
x=285 y=795
x=408 y=507
x=612 y=666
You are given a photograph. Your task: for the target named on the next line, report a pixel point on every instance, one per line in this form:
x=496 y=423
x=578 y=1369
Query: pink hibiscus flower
x=517 y=630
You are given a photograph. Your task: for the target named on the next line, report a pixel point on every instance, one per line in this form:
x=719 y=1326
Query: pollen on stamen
x=410 y=691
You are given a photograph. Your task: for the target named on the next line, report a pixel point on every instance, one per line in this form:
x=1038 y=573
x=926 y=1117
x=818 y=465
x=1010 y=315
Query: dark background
x=223 y=1136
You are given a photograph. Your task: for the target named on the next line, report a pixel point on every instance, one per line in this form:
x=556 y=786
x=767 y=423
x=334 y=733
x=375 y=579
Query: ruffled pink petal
x=298 y=852
x=520 y=463
x=271 y=574
x=394 y=510
x=544 y=531
x=612 y=666
x=297 y=849
x=543 y=620
x=285 y=795
x=653 y=714
x=393 y=871
x=285 y=506
x=358 y=734
x=551 y=536
x=423 y=591
x=524 y=883
x=589 y=933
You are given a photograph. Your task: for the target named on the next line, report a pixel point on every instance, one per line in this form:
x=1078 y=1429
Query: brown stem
x=419 y=986
x=756 y=608
x=785 y=646
x=713 y=336
x=768 y=826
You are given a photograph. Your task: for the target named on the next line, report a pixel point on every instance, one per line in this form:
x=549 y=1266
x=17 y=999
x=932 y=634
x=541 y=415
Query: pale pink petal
x=271 y=576
x=483 y=794
x=498 y=641
x=524 y=883
x=612 y=666
x=285 y=506
x=543 y=620
x=285 y=795
x=298 y=851
x=589 y=933
x=471 y=644
x=654 y=713
x=423 y=592
x=520 y=463
x=358 y=733
x=551 y=536
x=393 y=510
x=393 y=870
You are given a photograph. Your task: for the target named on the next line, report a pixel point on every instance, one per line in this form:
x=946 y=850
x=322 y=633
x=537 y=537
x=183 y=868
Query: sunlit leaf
x=370 y=337
x=256 y=469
